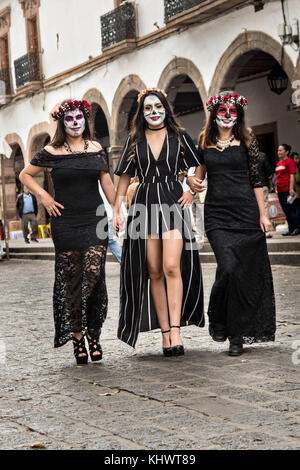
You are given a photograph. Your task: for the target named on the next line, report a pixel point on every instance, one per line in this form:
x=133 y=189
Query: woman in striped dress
x=161 y=280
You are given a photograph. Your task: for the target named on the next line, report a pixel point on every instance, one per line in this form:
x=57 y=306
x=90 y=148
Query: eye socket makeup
x=74 y=123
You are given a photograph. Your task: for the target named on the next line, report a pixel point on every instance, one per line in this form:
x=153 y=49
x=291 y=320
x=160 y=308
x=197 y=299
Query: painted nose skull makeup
x=154 y=111
x=226 y=115
x=74 y=123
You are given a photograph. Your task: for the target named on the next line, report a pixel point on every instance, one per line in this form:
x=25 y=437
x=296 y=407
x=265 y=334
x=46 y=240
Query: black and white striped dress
x=155 y=210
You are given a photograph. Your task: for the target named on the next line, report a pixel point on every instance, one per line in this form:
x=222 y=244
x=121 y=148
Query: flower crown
x=71 y=105
x=223 y=99
x=148 y=90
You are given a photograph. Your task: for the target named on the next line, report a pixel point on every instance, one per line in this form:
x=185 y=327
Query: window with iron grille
x=4 y=64
x=174 y=7
x=118 y=25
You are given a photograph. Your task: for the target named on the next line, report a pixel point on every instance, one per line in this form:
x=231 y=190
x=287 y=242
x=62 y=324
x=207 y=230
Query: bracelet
x=192 y=192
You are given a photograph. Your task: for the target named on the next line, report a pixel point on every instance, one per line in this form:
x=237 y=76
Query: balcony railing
x=27 y=69
x=174 y=7
x=118 y=25
x=5 y=86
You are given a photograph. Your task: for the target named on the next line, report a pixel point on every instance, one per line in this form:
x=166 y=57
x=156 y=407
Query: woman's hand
x=195 y=184
x=186 y=200
x=265 y=224
x=118 y=222
x=50 y=204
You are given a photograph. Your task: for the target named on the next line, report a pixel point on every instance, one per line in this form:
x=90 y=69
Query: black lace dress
x=80 y=240
x=242 y=297
x=155 y=210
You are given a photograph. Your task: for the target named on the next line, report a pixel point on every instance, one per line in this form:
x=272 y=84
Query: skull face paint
x=74 y=123
x=226 y=115
x=154 y=111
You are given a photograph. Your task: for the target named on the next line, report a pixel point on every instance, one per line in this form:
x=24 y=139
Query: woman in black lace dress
x=242 y=306
x=78 y=226
x=161 y=281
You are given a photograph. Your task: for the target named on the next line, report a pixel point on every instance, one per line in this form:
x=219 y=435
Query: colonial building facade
x=107 y=51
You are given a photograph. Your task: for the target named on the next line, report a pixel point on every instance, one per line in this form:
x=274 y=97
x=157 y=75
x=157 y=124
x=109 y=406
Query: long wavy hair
x=139 y=123
x=60 y=136
x=210 y=132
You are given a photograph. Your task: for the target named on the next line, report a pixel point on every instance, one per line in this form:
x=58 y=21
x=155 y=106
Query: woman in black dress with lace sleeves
x=78 y=227
x=242 y=305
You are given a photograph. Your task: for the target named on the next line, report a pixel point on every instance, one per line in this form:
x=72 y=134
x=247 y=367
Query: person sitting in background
x=265 y=169
x=27 y=209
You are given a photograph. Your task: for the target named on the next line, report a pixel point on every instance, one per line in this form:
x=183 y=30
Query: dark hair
x=59 y=137
x=293 y=154
x=287 y=148
x=139 y=123
x=209 y=134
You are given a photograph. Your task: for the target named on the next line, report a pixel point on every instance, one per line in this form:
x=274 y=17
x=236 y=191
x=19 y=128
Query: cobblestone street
x=137 y=399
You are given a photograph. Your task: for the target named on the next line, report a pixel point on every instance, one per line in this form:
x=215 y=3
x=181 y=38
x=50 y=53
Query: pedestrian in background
x=27 y=209
x=296 y=159
x=285 y=187
x=1 y=251
x=113 y=245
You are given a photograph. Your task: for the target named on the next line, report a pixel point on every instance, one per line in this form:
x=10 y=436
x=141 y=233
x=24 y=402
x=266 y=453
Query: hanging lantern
x=278 y=80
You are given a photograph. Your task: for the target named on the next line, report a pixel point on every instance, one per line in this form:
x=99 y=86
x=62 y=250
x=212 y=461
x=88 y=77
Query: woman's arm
x=292 y=184
x=118 y=219
x=26 y=177
x=265 y=223
x=108 y=187
x=195 y=181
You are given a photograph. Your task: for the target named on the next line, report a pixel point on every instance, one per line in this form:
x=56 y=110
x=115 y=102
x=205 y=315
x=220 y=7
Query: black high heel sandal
x=94 y=346
x=177 y=350
x=79 y=348
x=167 y=351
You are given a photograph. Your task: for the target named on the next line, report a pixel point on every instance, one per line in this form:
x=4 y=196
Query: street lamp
x=278 y=80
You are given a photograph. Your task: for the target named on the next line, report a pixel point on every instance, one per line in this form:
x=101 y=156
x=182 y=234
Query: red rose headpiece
x=148 y=91
x=232 y=99
x=71 y=105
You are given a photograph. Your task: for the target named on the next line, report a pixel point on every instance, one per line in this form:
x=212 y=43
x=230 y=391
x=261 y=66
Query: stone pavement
x=137 y=399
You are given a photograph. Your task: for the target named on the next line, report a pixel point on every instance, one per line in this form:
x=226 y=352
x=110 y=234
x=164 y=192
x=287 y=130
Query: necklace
x=68 y=148
x=222 y=144
x=156 y=129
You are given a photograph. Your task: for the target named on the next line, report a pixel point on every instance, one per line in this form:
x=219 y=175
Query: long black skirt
x=242 y=301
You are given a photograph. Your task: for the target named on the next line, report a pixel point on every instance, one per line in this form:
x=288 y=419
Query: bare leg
x=158 y=291
x=172 y=249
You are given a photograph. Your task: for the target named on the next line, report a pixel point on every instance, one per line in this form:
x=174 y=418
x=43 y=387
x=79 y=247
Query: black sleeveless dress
x=155 y=210
x=242 y=297
x=80 y=240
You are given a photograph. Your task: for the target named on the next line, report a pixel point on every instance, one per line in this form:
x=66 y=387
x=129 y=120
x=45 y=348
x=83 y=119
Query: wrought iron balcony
x=5 y=86
x=118 y=25
x=173 y=7
x=27 y=69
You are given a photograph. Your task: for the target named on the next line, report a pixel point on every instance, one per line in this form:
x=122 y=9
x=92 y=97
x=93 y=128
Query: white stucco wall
x=79 y=32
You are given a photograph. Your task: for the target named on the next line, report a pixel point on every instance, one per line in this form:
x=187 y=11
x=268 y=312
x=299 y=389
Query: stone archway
x=226 y=72
x=95 y=96
x=39 y=136
x=36 y=138
x=181 y=66
x=12 y=168
x=122 y=107
x=183 y=83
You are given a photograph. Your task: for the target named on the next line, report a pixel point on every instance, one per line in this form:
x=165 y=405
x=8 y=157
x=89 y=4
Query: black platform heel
x=177 y=350
x=167 y=351
x=94 y=346
x=79 y=348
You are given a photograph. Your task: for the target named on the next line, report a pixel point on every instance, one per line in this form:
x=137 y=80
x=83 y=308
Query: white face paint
x=226 y=115
x=154 y=111
x=74 y=123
